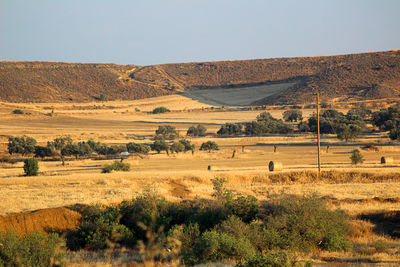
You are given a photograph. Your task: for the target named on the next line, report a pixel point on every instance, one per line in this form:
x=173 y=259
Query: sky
x=148 y=32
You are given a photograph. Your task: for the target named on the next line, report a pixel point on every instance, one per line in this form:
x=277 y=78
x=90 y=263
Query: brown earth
x=45 y=220
x=344 y=78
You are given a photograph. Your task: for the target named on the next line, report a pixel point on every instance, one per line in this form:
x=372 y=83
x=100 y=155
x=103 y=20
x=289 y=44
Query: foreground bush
x=117 y=166
x=305 y=223
x=34 y=249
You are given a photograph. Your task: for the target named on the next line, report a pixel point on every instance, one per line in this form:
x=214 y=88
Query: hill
x=341 y=78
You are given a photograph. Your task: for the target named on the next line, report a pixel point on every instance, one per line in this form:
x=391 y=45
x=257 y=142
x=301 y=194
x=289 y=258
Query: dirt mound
x=53 y=219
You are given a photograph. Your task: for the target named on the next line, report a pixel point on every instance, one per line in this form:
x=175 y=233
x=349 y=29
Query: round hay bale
x=387 y=160
x=209 y=167
x=275 y=166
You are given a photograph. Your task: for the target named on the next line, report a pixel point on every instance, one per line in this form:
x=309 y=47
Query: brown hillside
x=343 y=77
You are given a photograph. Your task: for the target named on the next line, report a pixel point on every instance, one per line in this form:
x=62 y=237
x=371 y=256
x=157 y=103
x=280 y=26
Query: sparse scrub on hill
x=34 y=249
x=160 y=110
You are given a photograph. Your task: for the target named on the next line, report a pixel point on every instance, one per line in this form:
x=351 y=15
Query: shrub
x=304 y=223
x=34 y=249
x=215 y=246
x=209 y=146
x=117 y=166
x=278 y=259
x=100 y=229
x=265 y=123
x=160 y=110
x=388 y=119
x=31 y=167
x=18 y=111
x=356 y=157
x=198 y=130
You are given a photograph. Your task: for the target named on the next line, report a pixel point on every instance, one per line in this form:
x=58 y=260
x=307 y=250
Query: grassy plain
x=371 y=188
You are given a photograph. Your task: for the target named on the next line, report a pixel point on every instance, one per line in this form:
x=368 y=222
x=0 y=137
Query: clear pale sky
x=149 y=32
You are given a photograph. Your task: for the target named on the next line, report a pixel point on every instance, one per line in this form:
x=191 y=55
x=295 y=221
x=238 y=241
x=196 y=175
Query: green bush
x=177 y=147
x=231 y=129
x=18 y=111
x=160 y=110
x=215 y=246
x=275 y=259
x=166 y=132
x=34 y=249
x=137 y=148
x=117 y=166
x=160 y=145
x=21 y=145
x=304 y=223
x=31 y=167
x=100 y=229
x=292 y=115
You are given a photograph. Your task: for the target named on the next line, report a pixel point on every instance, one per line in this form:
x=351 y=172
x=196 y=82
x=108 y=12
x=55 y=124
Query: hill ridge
x=371 y=75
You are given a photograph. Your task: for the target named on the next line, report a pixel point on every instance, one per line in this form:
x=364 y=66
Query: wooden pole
x=318 y=138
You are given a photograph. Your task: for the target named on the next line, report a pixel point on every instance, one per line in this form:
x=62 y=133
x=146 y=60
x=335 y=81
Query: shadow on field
x=387 y=223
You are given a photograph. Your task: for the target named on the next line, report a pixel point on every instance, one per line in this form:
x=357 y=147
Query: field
x=362 y=190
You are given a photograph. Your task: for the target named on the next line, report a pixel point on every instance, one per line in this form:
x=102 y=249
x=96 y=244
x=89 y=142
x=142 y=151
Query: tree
x=70 y=149
x=187 y=145
x=198 y=130
x=167 y=132
x=31 y=167
x=160 y=145
x=43 y=151
x=209 y=146
x=230 y=129
x=84 y=149
x=349 y=131
x=21 y=145
x=292 y=115
x=177 y=147
x=303 y=127
x=388 y=119
x=160 y=110
x=18 y=111
x=137 y=148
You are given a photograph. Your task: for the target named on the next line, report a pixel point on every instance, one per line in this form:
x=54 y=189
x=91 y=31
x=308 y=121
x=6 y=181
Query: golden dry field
x=368 y=188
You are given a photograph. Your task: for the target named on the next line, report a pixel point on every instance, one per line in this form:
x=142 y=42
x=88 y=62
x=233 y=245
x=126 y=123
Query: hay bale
x=275 y=166
x=387 y=160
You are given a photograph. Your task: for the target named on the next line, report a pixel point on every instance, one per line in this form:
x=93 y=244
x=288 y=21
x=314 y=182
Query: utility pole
x=318 y=138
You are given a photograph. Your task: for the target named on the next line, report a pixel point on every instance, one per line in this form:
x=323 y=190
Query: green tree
x=231 y=129
x=388 y=119
x=21 y=145
x=160 y=145
x=166 y=132
x=70 y=150
x=177 y=147
x=292 y=115
x=160 y=110
x=18 y=111
x=31 y=167
x=198 y=130
x=188 y=146
x=209 y=146
x=137 y=148
x=43 y=151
